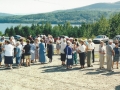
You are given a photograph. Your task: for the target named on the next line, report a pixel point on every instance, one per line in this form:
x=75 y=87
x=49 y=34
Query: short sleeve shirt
x=18 y=52
x=9 y=50
x=109 y=49
x=27 y=49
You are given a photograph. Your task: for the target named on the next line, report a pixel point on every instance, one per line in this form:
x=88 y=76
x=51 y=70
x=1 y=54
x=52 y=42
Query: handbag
x=69 y=56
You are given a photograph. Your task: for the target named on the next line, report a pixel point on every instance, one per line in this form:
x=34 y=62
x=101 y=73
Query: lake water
x=3 y=26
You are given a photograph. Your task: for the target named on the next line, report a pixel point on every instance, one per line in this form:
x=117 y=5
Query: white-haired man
x=109 y=54
x=89 y=53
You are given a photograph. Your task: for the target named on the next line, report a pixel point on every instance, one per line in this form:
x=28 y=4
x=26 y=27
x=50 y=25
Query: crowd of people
x=37 y=49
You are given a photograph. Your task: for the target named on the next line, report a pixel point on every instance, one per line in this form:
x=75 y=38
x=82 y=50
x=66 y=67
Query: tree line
x=103 y=26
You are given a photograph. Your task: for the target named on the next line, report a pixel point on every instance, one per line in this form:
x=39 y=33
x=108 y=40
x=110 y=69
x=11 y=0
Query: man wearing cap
x=89 y=53
x=109 y=54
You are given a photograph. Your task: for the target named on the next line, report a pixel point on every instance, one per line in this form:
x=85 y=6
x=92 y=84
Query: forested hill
x=5 y=14
x=102 y=6
x=87 y=14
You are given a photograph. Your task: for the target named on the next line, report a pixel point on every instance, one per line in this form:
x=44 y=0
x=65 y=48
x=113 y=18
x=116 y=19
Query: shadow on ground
x=102 y=72
x=50 y=69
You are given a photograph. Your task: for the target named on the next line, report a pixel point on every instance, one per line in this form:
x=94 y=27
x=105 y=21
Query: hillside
x=101 y=6
x=87 y=14
x=5 y=14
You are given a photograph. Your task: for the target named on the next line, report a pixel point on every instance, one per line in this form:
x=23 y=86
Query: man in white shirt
x=89 y=53
x=63 y=55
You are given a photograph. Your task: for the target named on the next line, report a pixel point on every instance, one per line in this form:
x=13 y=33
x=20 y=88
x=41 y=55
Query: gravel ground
x=53 y=76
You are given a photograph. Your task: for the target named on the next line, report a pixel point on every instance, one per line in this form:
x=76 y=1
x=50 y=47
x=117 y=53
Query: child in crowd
x=18 y=54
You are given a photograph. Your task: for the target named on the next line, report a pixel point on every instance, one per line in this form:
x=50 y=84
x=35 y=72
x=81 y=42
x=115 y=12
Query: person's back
x=27 y=49
x=109 y=49
x=18 y=52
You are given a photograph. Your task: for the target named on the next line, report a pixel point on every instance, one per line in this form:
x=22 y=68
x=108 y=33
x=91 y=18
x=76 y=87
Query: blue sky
x=41 y=6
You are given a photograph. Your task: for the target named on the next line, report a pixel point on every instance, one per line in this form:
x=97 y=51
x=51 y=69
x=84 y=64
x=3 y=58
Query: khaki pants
x=109 y=62
x=89 y=58
x=102 y=59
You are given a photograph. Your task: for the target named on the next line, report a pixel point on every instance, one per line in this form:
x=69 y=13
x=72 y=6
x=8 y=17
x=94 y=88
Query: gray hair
x=18 y=42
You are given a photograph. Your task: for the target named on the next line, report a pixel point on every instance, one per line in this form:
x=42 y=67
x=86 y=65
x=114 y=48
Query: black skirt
x=63 y=57
x=82 y=58
x=8 y=59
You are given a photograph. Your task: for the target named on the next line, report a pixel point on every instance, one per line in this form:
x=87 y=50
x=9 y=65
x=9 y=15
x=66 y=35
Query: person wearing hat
x=82 y=54
x=109 y=54
x=102 y=52
x=89 y=53
x=68 y=51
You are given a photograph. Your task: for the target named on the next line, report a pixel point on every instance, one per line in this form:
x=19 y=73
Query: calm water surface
x=3 y=26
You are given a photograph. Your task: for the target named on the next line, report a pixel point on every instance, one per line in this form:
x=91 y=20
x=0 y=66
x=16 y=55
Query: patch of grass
x=96 y=56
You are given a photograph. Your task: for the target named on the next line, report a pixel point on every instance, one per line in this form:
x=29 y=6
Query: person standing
x=75 y=53
x=18 y=54
x=36 y=49
x=8 y=54
x=63 y=55
x=89 y=53
x=50 y=51
x=27 y=53
x=23 y=53
x=102 y=53
x=58 y=47
x=42 y=52
x=116 y=55
x=68 y=51
x=82 y=54
x=109 y=54
x=1 y=49
x=32 y=51
x=93 y=49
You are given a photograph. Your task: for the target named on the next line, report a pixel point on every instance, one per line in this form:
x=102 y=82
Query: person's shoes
x=81 y=67
x=110 y=71
x=63 y=64
x=91 y=66
x=88 y=65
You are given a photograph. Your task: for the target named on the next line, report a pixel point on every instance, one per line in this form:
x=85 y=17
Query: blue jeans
x=18 y=60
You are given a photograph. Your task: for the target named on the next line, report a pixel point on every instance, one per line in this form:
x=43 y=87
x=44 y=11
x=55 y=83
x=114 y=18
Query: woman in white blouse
x=102 y=54
x=82 y=50
x=9 y=54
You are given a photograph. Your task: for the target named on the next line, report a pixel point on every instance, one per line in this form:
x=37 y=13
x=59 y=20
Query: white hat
x=90 y=40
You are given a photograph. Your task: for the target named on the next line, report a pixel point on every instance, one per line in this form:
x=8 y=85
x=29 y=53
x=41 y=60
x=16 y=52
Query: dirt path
x=53 y=76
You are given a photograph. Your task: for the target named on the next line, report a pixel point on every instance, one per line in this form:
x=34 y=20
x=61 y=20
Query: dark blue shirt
x=116 y=50
x=27 y=49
